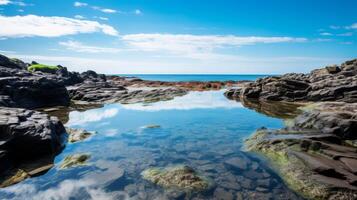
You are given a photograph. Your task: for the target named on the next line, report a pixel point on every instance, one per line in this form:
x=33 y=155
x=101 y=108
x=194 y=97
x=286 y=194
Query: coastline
x=324 y=125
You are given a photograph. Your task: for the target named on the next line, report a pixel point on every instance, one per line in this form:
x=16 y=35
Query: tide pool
x=203 y=130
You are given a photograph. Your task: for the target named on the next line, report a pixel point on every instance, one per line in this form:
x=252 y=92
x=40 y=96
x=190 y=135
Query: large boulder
x=27 y=135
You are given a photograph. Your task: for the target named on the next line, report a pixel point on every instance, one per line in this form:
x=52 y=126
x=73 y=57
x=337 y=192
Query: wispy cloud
x=345 y=34
x=79 y=17
x=33 y=25
x=79 y=47
x=104 y=10
x=137 y=12
x=82 y=118
x=17 y=3
x=196 y=44
x=326 y=34
x=103 y=18
x=334 y=27
x=79 y=4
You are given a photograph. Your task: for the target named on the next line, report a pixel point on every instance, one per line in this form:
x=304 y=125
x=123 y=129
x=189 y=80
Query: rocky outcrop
x=105 y=92
x=28 y=135
x=12 y=63
x=187 y=85
x=332 y=83
x=32 y=92
x=315 y=153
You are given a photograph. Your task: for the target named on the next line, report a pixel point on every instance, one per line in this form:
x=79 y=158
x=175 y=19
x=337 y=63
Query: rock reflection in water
x=282 y=110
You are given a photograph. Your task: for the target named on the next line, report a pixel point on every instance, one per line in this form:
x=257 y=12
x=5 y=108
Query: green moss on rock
x=42 y=68
x=74 y=160
x=179 y=177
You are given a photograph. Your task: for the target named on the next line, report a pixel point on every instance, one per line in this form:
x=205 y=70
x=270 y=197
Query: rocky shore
x=316 y=153
x=37 y=136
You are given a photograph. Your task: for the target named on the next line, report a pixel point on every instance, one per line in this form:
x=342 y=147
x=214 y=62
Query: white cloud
x=101 y=18
x=195 y=44
x=323 y=40
x=104 y=10
x=345 y=34
x=326 y=34
x=17 y=3
x=138 y=12
x=33 y=25
x=4 y=2
x=96 y=115
x=79 y=17
x=80 y=4
x=79 y=47
x=334 y=27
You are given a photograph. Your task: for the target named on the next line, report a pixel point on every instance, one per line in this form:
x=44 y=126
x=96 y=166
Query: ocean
x=195 y=77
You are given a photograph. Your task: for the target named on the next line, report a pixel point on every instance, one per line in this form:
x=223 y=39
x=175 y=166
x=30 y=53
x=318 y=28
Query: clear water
x=201 y=130
x=195 y=77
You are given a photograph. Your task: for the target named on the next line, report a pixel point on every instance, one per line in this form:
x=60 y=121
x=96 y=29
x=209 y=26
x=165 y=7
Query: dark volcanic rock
x=32 y=92
x=93 y=76
x=12 y=63
x=332 y=83
x=313 y=153
x=108 y=92
x=27 y=134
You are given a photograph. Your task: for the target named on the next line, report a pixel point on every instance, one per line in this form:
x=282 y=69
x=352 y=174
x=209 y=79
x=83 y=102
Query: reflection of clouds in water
x=193 y=100
x=87 y=188
x=110 y=132
x=82 y=118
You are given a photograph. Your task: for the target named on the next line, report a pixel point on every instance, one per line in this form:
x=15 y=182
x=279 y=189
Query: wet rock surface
x=311 y=153
x=27 y=135
x=332 y=83
x=315 y=152
x=104 y=92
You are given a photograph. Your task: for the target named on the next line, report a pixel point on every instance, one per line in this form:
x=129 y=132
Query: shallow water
x=202 y=130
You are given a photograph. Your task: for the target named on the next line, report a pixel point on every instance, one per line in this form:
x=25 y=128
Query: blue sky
x=181 y=36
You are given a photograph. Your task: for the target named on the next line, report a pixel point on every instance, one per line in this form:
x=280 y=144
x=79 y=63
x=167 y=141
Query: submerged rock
x=76 y=135
x=152 y=126
x=74 y=160
x=26 y=170
x=179 y=177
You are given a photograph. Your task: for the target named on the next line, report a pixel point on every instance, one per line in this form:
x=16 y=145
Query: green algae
x=177 y=177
